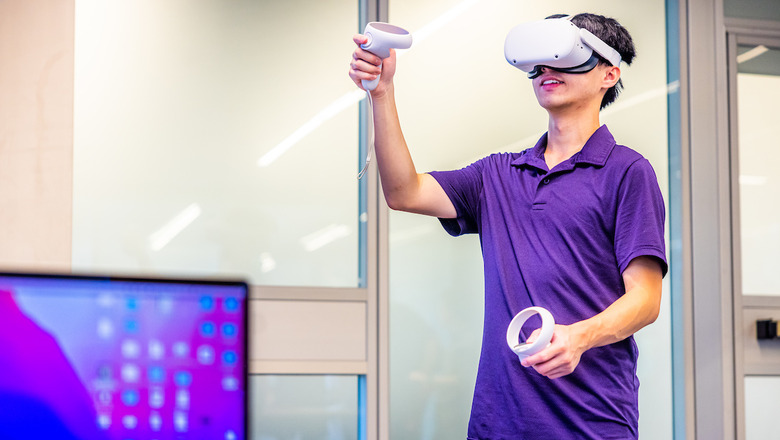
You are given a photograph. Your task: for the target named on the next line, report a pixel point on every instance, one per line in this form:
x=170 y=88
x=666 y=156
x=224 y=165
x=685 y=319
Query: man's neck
x=567 y=134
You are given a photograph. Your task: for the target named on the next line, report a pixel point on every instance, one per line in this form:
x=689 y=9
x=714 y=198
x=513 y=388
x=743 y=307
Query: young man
x=574 y=224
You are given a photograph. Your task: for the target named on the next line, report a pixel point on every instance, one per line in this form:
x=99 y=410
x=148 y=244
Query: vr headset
x=556 y=43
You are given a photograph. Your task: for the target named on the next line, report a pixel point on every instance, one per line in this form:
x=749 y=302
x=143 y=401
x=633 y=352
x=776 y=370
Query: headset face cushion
x=585 y=67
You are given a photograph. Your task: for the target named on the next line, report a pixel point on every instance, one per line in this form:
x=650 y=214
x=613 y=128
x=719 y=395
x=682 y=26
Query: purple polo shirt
x=559 y=239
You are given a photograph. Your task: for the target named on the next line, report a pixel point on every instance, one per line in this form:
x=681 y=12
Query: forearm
x=404 y=188
x=397 y=172
x=637 y=308
x=626 y=316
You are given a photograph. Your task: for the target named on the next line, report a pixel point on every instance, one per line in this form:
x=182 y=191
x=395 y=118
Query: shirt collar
x=595 y=151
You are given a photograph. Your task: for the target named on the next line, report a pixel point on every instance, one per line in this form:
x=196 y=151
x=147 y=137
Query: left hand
x=561 y=357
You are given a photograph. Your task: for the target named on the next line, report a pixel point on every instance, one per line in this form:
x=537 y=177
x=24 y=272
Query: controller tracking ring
x=515 y=326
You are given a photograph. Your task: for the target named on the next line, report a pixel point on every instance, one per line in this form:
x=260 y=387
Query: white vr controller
x=545 y=336
x=381 y=38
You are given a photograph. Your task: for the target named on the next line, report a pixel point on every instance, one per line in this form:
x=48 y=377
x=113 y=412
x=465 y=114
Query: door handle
x=766 y=329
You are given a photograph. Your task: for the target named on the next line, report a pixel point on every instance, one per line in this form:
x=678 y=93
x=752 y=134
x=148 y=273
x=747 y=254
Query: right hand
x=365 y=65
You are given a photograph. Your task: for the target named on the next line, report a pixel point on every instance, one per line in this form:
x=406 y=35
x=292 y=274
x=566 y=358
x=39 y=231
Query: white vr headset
x=556 y=43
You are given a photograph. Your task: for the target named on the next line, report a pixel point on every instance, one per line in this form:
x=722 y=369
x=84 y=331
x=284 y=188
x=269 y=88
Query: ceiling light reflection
x=170 y=230
x=336 y=107
x=753 y=180
x=267 y=262
x=441 y=21
x=349 y=99
x=324 y=236
x=752 y=53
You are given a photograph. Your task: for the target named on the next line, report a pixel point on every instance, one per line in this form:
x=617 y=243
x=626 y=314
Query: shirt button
x=546 y=181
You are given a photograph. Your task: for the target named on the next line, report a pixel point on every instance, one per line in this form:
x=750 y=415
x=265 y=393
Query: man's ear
x=611 y=76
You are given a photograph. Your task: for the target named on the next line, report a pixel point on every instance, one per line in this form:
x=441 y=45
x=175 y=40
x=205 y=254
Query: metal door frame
x=743 y=32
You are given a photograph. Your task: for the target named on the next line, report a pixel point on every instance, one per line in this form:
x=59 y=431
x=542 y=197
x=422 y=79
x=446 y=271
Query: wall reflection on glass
x=203 y=144
x=304 y=407
x=758 y=83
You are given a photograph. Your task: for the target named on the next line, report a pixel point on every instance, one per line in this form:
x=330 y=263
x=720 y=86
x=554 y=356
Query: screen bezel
x=231 y=282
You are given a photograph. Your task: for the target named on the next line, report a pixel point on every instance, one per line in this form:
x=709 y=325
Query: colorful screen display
x=120 y=358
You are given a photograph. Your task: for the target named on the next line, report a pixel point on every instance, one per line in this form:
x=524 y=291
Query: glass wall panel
x=753 y=9
x=458 y=101
x=758 y=83
x=303 y=407
x=760 y=407
x=217 y=137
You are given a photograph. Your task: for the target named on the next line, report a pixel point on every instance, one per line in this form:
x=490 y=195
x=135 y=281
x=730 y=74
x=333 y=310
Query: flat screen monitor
x=100 y=357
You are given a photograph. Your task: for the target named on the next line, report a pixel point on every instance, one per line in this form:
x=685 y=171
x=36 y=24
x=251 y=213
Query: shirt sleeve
x=639 y=228
x=464 y=188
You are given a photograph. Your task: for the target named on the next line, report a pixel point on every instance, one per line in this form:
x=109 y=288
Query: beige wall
x=36 y=133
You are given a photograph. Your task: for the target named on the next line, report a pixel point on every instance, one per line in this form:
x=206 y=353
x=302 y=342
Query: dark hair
x=612 y=33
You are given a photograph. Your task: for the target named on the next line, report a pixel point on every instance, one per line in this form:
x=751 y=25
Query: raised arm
x=404 y=188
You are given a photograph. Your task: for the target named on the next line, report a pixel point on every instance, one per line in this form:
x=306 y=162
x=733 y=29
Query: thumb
x=534 y=336
x=359 y=39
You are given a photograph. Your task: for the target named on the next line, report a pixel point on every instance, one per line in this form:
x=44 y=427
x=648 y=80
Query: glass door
x=755 y=152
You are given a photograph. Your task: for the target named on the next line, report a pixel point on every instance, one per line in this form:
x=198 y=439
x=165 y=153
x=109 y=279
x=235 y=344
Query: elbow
x=653 y=312
x=397 y=201
x=401 y=206
x=404 y=195
x=394 y=203
x=653 y=315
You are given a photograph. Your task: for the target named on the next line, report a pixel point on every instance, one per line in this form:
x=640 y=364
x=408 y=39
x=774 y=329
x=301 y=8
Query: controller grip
x=380 y=38
x=371 y=85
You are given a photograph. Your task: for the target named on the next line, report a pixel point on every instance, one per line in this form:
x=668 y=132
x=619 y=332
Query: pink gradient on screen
x=128 y=360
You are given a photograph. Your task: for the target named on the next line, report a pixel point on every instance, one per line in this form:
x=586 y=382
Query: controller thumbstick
x=369 y=39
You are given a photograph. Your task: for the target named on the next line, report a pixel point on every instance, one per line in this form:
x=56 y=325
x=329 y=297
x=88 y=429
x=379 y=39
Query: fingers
x=364 y=65
x=360 y=54
x=359 y=71
x=557 y=360
x=552 y=364
x=542 y=357
x=557 y=367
